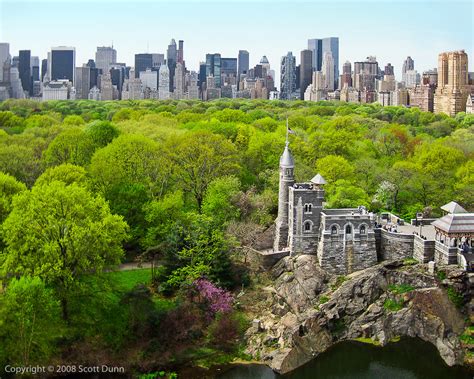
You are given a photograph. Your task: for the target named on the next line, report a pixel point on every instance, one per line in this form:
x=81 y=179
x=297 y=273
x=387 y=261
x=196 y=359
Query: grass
x=127 y=279
x=340 y=279
x=441 y=275
x=410 y=261
x=323 y=299
x=393 y=305
x=455 y=297
x=400 y=288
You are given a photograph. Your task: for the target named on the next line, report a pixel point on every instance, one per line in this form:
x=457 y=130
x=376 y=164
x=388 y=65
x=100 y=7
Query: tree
x=130 y=159
x=334 y=167
x=20 y=162
x=200 y=158
x=59 y=233
x=347 y=195
x=70 y=146
x=30 y=322
x=9 y=187
x=102 y=132
x=220 y=198
x=66 y=173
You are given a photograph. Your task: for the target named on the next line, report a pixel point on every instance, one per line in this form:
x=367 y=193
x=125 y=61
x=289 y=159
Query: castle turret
x=287 y=166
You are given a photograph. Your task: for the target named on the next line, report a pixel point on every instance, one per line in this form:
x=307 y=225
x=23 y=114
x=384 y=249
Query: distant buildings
x=288 y=77
x=321 y=46
x=453 y=88
x=306 y=71
x=104 y=57
x=62 y=64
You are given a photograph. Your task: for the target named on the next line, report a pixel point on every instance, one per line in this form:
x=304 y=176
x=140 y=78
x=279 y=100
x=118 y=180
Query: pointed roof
x=264 y=60
x=286 y=159
x=453 y=207
x=318 y=179
x=456 y=223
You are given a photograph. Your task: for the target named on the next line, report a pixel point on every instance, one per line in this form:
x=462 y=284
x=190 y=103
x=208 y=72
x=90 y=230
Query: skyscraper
x=319 y=47
x=408 y=65
x=306 y=71
x=288 y=76
x=316 y=47
x=213 y=67
x=44 y=68
x=104 y=57
x=164 y=82
x=4 y=57
x=331 y=45
x=328 y=71
x=388 y=70
x=83 y=82
x=171 y=58
x=229 y=70
x=453 y=89
x=243 y=64
x=63 y=63
x=179 y=81
x=181 y=51
x=142 y=62
x=346 y=77
x=24 y=69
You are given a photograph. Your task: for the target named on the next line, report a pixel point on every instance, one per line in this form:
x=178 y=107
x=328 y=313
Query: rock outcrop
x=311 y=310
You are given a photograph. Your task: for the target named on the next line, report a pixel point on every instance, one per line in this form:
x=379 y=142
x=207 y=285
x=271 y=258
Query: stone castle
x=348 y=240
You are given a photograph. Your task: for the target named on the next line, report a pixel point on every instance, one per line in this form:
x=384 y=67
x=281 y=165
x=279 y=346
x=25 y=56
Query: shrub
x=400 y=288
x=455 y=297
x=323 y=299
x=393 y=305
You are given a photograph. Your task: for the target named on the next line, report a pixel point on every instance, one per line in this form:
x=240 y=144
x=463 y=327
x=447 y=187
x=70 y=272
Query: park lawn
x=127 y=279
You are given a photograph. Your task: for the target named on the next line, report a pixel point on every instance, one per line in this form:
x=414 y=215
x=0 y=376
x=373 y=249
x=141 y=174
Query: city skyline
x=391 y=36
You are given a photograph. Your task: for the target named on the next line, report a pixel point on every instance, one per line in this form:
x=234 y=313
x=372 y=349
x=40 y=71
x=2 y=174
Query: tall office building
x=118 y=72
x=142 y=62
x=229 y=71
x=321 y=46
x=171 y=58
x=149 y=79
x=83 y=81
x=179 y=81
x=181 y=51
x=388 y=70
x=288 y=76
x=213 y=67
x=104 y=57
x=453 y=88
x=328 y=71
x=164 y=83
x=44 y=68
x=306 y=71
x=94 y=75
x=316 y=47
x=35 y=69
x=346 y=77
x=202 y=75
x=4 y=58
x=157 y=60
x=243 y=64
x=63 y=63
x=408 y=65
x=24 y=68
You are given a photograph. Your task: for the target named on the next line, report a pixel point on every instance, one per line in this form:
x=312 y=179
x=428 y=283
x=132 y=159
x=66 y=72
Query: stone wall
x=445 y=255
x=263 y=260
x=423 y=251
x=393 y=246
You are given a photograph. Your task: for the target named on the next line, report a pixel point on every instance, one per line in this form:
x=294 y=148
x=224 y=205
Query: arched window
x=362 y=229
x=307 y=226
x=348 y=229
x=334 y=229
x=308 y=208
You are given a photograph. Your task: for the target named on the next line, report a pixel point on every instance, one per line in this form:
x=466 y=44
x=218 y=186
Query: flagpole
x=287 y=142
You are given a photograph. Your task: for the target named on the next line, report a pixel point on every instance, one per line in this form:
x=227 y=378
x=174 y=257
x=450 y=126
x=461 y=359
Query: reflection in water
x=407 y=359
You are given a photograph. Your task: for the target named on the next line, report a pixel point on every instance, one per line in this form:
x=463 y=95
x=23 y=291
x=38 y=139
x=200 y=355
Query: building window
x=308 y=208
x=334 y=229
x=307 y=226
x=362 y=229
x=348 y=229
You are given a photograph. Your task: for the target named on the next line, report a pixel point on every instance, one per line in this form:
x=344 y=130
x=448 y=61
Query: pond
x=411 y=358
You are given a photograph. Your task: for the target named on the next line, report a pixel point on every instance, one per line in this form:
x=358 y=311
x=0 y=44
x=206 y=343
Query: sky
x=391 y=30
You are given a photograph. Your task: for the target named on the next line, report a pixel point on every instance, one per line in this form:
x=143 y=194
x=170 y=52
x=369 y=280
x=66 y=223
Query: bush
x=393 y=305
x=455 y=297
x=400 y=288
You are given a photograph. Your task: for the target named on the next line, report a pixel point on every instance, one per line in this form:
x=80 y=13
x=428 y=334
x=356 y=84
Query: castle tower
x=287 y=166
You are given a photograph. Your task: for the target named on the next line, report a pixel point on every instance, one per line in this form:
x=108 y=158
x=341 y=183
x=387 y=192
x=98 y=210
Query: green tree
x=102 y=132
x=200 y=158
x=70 y=146
x=348 y=195
x=335 y=167
x=9 y=187
x=30 y=322
x=59 y=233
x=66 y=173
x=219 y=201
x=20 y=162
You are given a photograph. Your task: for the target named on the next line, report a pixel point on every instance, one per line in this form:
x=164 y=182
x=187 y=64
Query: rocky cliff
x=308 y=310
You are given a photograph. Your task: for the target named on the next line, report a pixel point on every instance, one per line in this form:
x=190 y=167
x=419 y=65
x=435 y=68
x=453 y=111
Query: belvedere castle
x=352 y=239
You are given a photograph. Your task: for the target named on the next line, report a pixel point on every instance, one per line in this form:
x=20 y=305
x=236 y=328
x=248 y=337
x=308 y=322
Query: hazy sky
x=390 y=30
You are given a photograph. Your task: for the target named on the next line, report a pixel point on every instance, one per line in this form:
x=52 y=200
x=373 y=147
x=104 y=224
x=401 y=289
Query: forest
x=85 y=186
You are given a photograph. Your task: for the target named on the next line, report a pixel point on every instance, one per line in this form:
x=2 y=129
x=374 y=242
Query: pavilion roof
x=318 y=179
x=456 y=223
x=453 y=207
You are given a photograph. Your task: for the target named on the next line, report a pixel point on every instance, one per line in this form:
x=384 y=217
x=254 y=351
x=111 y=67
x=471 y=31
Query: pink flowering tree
x=217 y=299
